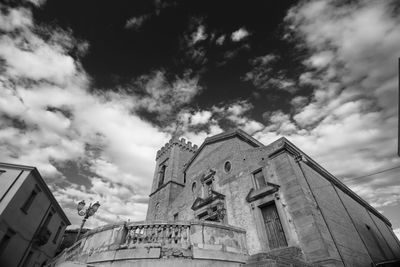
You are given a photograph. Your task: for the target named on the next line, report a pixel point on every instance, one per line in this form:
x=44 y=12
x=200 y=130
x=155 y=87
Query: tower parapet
x=178 y=142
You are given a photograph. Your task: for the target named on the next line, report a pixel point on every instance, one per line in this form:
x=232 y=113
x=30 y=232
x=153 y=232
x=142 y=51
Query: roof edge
x=223 y=136
x=40 y=179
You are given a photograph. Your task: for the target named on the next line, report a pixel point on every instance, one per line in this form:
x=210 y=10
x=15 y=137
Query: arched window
x=161 y=175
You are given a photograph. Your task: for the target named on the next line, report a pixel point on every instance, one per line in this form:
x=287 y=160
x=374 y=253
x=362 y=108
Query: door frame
x=264 y=205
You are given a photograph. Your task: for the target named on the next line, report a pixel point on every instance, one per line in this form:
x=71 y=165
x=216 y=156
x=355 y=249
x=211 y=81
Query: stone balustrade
x=199 y=243
x=171 y=234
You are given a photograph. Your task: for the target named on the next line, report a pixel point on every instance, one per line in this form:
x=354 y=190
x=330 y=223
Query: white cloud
x=136 y=22
x=348 y=125
x=220 y=40
x=199 y=34
x=48 y=117
x=321 y=59
x=265 y=75
x=198 y=137
x=200 y=117
x=397 y=232
x=164 y=97
x=40 y=62
x=12 y=19
x=239 y=34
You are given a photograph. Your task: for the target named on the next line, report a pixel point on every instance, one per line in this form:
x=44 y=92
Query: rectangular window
x=259 y=179
x=176 y=216
x=161 y=175
x=57 y=233
x=5 y=240
x=29 y=201
x=48 y=219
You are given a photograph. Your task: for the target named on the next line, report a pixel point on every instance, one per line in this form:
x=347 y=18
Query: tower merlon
x=174 y=141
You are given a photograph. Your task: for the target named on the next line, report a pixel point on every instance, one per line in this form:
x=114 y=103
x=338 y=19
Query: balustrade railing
x=154 y=240
x=165 y=234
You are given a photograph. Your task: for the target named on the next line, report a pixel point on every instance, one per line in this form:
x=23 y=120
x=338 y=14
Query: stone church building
x=289 y=206
x=236 y=202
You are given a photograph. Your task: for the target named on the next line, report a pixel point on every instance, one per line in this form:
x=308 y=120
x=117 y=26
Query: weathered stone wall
x=235 y=185
x=388 y=235
x=372 y=238
x=174 y=154
x=360 y=236
x=344 y=234
x=207 y=244
x=313 y=235
x=317 y=218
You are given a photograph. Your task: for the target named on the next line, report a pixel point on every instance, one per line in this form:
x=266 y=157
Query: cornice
x=254 y=195
x=224 y=136
x=164 y=185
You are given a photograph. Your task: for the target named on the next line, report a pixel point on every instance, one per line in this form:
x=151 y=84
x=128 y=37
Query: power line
x=367 y=175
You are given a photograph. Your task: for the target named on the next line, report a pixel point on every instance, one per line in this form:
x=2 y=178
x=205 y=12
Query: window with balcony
x=58 y=233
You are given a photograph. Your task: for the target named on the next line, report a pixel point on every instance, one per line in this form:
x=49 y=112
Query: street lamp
x=90 y=211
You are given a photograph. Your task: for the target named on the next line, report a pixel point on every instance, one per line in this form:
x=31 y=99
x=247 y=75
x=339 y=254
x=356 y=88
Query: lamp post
x=90 y=211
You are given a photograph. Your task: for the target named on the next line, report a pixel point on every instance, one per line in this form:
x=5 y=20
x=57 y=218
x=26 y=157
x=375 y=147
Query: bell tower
x=168 y=179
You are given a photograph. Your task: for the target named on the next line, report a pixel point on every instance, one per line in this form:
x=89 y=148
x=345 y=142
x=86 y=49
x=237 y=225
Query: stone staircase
x=286 y=257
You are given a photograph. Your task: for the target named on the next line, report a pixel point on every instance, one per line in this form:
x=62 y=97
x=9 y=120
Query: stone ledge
x=199 y=253
x=138 y=253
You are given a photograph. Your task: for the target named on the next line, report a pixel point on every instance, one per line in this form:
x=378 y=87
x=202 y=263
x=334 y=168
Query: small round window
x=193 y=187
x=227 y=166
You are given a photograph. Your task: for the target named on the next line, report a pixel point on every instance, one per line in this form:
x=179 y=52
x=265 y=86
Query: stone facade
x=285 y=201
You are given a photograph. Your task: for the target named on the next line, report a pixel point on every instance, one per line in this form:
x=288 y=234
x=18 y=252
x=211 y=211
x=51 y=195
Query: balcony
x=198 y=243
x=42 y=237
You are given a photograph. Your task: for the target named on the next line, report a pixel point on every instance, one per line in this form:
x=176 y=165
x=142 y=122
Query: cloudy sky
x=90 y=92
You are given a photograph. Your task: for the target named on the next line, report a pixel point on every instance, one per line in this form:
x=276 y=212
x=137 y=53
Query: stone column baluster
x=164 y=234
x=179 y=235
x=140 y=234
x=153 y=233
x=187 y=235
x=159 y=234
x=134 y=236
x=183 y=235
x=146 y=234
x=127 y=237
x=173 y=234
x=173 y=239
x=130 y=236
x=169 y=235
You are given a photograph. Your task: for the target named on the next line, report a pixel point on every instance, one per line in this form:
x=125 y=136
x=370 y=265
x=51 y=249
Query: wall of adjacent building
x=359 y=238
x=12 y=179
x=26 y=225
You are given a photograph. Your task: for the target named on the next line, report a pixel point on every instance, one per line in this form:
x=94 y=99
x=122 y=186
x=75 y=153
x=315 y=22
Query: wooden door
x=273 y=226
